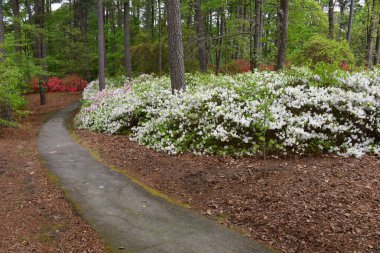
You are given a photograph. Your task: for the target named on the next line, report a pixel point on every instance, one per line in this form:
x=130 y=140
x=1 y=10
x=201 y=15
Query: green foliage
x=11 y=87
x=145 y=58
x=322 y=50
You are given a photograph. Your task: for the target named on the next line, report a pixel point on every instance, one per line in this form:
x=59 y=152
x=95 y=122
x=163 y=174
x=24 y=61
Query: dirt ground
x=304 y=204
x=34 y=213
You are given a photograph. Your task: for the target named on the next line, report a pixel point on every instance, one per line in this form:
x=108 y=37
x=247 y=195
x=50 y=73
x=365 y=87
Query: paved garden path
x=127 y=216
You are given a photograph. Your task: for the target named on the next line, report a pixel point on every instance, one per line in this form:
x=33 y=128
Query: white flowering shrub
x=290 y=112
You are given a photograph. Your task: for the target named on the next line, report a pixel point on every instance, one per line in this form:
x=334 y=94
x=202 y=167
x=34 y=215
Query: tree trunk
x=342 y=6
x=283 y=33
x=377 y=61
x=43 y=37
x=119 y=14
x=37 y=23
x=201 y=36
x=148 y=10
x=84 y=28
x=331 y=19
x=16 y=24
x=127 y=40
x=152 y=20
x=220 y=41
x=251 y=37
x=176 y=63
x=101 y=45
x=159 y=38
x=2 y=32
x=257 y=38
x=351 y=18
x=371 y=35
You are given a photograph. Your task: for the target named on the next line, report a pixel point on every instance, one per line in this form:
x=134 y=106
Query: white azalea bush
x=290 y=112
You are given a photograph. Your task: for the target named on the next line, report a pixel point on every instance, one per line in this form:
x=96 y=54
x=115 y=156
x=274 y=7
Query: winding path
x=127 y=216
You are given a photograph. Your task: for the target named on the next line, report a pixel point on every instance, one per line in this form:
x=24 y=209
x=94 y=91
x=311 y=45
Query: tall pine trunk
x=101 y=45
x=159 y=37
x=251 y=36
x=257 y=35
x=219 y=51
x=148 y=12
x=37 y=42
x=350 y=21
x=2 y=32
x=84 y=28
x=371 y=35
x=127 y=40
x=201 y=36
x=342 y=6
x=377 y=59
x=283 y=33
x=176 y=63
x=331 y=18
x=119 y=14
x=16 y=24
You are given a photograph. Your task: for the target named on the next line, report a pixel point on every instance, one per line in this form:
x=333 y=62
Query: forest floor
x=299 y=204
x=34 y=213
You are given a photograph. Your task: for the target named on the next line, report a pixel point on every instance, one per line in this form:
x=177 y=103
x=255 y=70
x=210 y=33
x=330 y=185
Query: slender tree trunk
x=37 y=23
x=127 y=40
x=153 y=19
x=84 y=28
x=148 y=10
x=251 y=37
x=351 y=18
x=101 y=45
x=177 y=66
x=371 y=36
x=201 y=36
x=159 y=38
x=342 y=6
x=377 y=61
x=283 y=33
x=331 y=19
x=2 y=32
x=257 y=38
x=119 y=14
x=112 y=44
x=220 y=41
x=16 y=24
x=43 y=37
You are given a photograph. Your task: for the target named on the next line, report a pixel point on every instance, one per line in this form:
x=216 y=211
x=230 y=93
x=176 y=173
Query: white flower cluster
x=286 y=112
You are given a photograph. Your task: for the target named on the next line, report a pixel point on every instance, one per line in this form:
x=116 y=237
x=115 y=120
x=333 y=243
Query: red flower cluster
x=237 y=66
x=71 y=83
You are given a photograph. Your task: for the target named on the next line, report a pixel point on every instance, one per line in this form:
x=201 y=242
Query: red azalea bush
x=71 y=83
x=237 y=66
x=74 y=83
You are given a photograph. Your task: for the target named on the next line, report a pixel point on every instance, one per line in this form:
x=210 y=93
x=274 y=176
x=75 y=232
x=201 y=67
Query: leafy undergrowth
x=297 y=111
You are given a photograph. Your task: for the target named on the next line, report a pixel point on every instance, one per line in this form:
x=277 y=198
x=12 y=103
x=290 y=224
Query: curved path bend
x=127 y=216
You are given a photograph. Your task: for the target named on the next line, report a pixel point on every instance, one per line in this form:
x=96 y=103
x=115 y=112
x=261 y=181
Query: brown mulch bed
x=304 y=204
x=34 y=214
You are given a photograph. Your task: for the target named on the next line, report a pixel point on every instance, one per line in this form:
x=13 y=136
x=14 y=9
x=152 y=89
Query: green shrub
x=11 y=88
x=322 y=50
